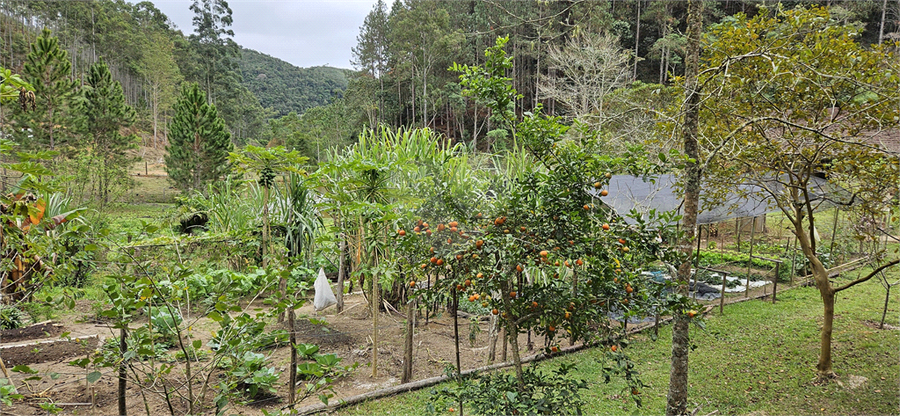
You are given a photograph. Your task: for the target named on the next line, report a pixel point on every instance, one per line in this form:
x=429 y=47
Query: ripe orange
x=613 y=348
x=459 y=287
x=449 y=241
x=544 y=253
x=495 y=311
x=451 y=410
x=432 y=249
x=608 y=175
x=459 y=256
x=605 y=227
x=401 y=233
x=417 y=229
x=551 y=328
x=622 y=241
x=597 y=185
x=440 y=262
x=625 y=249
x=412 y=283
x=534 y=304
x=468 y=283
x=454 y=229
x=472 y=298
x=554 y=349
x=604 y=192
x=479 y=275
x=579 y=262
x=454 y=223
x=440 y=227
x=522 y=229
x=628 y=288
x=479 y=243
x=423 y=266
x=586 y=207
x=568 y=315
x=512 y=294
x=519 y=268
x=691 y=313
x=568 y=264
x=433 y=260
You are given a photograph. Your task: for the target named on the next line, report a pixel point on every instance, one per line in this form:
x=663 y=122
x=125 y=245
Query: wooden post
x=737 y=232
x=722 y=292
x=342 y=248
x=292 y=386
x=750 y=262
x=833 y=235
x=775 y=282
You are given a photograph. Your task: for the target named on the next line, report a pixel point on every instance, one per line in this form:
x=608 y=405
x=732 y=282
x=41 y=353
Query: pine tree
x=198 y=142
x=106 y=113
x=52 y=123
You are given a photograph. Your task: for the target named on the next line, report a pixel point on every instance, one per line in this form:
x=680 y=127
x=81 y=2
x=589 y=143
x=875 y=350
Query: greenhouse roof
x=660 y=193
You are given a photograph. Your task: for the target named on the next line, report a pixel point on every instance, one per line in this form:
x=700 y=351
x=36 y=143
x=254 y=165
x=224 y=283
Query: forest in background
x=572 y=56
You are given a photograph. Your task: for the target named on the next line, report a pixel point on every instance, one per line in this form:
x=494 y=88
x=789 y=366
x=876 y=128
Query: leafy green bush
x=252 y=377
x=551 y=392
x=11 y=317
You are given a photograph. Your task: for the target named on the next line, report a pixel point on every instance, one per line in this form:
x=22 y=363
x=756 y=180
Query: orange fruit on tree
x=459 y=256
x=479 y=243
x=472 y=298
x=579 y=262
x=625 y=249
x=459 y=287
x=568 y=315
x=401 y=233
x=423 y=266
x=544 y=253
x=534 y=304
x=605 y=227
x=433 y=260
x=691 y=313
x=586 y=207
x=468 y=283
x=417 y=229
x=604 y=192
x=432 y=249
x=440 y=262
x=440 y=227
x=454 y=223
x=412 y=283
x=519 y=268
x=622 y=241
x=495 y=311
x=451 y=410
x=597 y=185
x=551 y=328
x=512 y=294
x=454 y=229
x=567 y=264
x=608 y=175
x=554 y=349
x=628 y=288
x=479 y=275
x=613 y=348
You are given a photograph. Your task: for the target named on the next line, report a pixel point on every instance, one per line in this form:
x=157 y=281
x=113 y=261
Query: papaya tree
x=791 y=97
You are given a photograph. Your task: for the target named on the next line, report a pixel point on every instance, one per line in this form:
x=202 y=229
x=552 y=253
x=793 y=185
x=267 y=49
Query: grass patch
x=756 y=358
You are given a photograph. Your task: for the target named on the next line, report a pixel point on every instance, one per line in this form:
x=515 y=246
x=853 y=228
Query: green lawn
x=758 y=358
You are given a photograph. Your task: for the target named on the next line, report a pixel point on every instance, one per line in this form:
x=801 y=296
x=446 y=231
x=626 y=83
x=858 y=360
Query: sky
x=305 y=33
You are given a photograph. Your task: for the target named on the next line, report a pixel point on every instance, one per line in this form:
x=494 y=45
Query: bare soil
x=348 y=335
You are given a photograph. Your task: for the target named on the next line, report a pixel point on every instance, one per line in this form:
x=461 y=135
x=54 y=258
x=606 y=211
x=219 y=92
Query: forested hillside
x=151 y=59
x=285 y=88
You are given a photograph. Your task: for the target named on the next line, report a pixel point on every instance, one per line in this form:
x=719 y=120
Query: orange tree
x=543 y=253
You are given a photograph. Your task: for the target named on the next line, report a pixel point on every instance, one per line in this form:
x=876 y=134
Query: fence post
x=750 y=261
x=775 y=282
x=722 y=292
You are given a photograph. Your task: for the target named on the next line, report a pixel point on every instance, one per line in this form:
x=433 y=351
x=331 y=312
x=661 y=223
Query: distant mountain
x=285 y=87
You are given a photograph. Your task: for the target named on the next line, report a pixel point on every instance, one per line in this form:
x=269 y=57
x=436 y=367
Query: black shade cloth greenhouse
x=627 y=193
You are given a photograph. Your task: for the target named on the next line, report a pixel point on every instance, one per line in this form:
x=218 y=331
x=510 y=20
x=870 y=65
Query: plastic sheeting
x=627 y=192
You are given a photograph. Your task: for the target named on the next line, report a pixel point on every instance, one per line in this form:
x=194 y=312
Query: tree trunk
x=824 y=365
x=676 y=403
x=408 y=345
